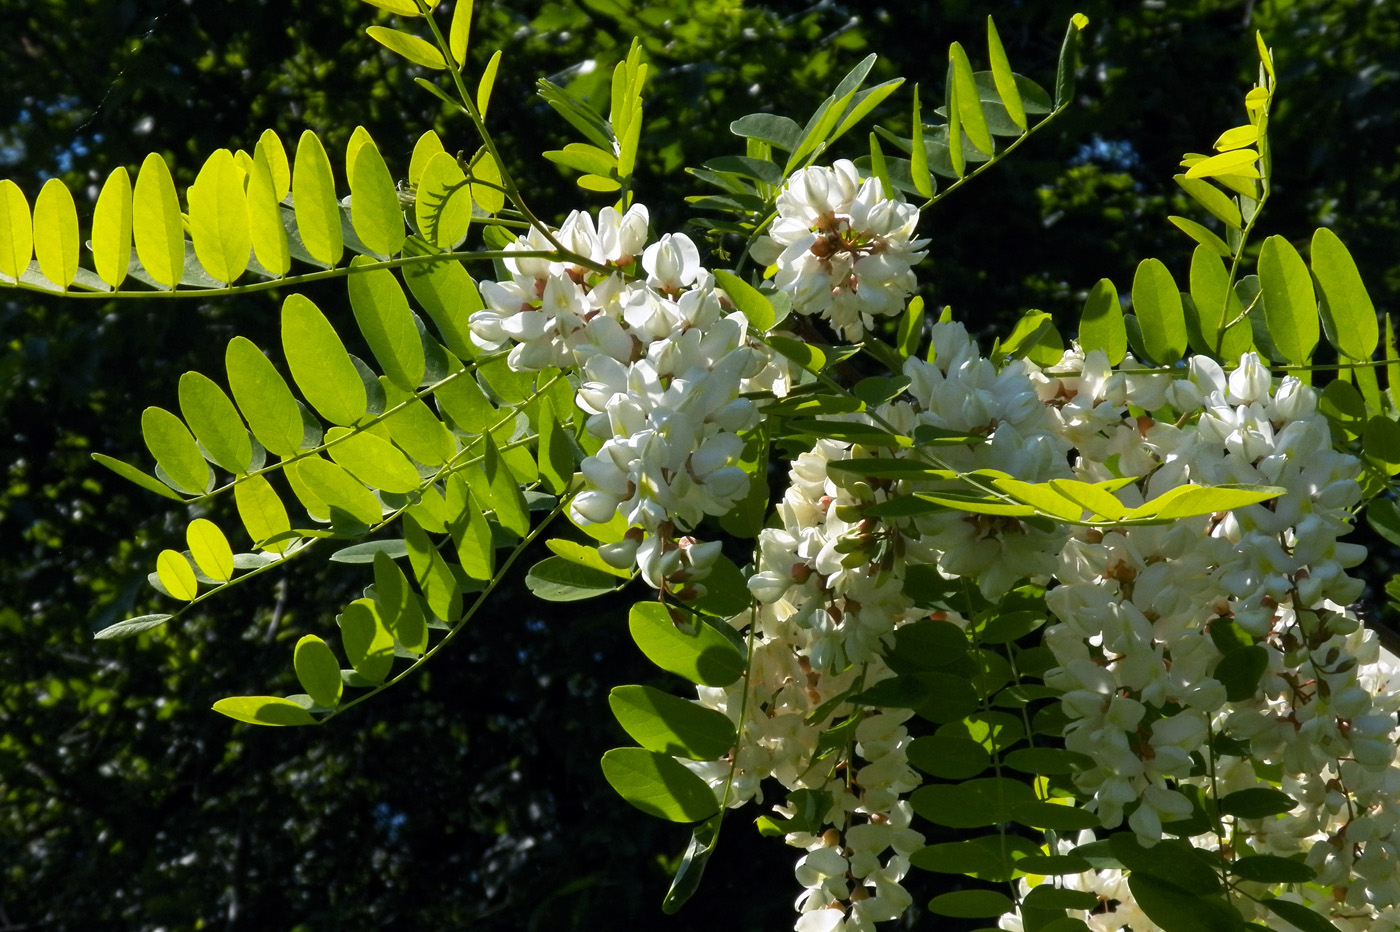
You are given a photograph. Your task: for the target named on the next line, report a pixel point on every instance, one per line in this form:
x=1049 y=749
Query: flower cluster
x=663 y=366
x=842 y=248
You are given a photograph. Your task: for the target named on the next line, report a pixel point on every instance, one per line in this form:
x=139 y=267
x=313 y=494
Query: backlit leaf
x=1212 y=199
x=1101 y=323
x=317 y=210
x=409 y=46
x=398 y=605
x=443 y=202
x=375 y=212
x=1290 y=304
x=428 y=145
x=375 y=462
x=264 y=398
x=368 y=645
x=382 y=313
x=661 y=722
x=320 y=365
x=215 y=422
x=470 y=531
x=265 y=227
x=219 y=223
x=659 y=785
x=111 y=228
x=56 y=233
x=460 y=31
x=1346 y=306
x=970 y=115
x=431 y=573
x=210 y=549
x=331 y=485
x=318 y=671
x=16 y=231
x=261 y=511
x=175 y=451
x=156 y=225
x=1157 y=303
x=264 y=710
x=176 y=575
x=445 y=290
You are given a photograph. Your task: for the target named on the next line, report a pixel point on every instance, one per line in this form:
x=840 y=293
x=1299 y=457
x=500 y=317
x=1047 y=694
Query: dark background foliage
x=471 y=795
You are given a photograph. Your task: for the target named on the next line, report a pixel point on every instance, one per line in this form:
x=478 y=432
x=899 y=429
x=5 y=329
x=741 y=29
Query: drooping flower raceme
x=844 y=249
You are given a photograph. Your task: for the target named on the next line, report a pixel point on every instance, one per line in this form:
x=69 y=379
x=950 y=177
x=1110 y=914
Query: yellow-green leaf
x=486 y=183
x=427 y=146
x=446 y=291
x=210 y=549
x=460 y=33
x=264 y=398
x=262 y=512
x=1202 y=235
x=56 y=233
x=1212 y=199
x=175 y=451
x=111 y=228
x=1101 y=324
x=358 y=139
x=415 y=429
x=1093 y=498
x=314 y=201
x=382 y=313
x=368 y=644
x=431 y=573
x=1157 y=303
x=265 y=226
x=176 y=575
x=156 y=224
x=918 y=155
x=374 y=203
x=487 y=83
x=471 y=533
x=320 y=365
x=1290 y=304
x=1233 y=162
x=336 y=489
x=1237 y=137
x=219 y=224
x=397 y=7
x=16 y=230
x=264 y=710
x=443 y=203
x=1346 y=306
x=970 y=115
x=318 y=671
x=398 y=605
x=1005 y=78
x=271 y=148
x=375 y=462
x=215 y=422
x=409 y=46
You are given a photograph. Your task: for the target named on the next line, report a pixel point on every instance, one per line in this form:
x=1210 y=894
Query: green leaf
x=317 y=210
x=1381 y=443
x=460 y=32
x=175 y=451
x=210 y=549
x=415 y=429
x=1004 y=77
x=703 y=656
x=1068 y=61
x=993 y=858
x=556 y=454
x=409 y=46
x=1048 y=761
x=1346 y=307
x=1092 y=497
x=320 y=365
x=176 y=575
x=131 y=627
x=471 y=534
x=972 y=803
x=382 y=313
x=318 y=671
x=1270 y=868
x=585 y=158
x=1186 y=501
x=219 y=223
x=1257 y=802
x=1299 y=915
x=587 y=555
x=556 y=579
x=375 y=212
x=111 y=228
x=1054 y=817
x=398 y=606
x=679 y=727
x=486 y=183
x=755 y=305
x=442 y=205
x=394 y=548
x=215 y=423
x=926 y=646
x=1157 y=303
x=497 y=489
x=779 y=131
x=658 y=785
x=487 y=83
x=368 y=645
x=971 y=904
x=132 y=474
x=375 y=462
x=1176 y=910
x=1236 y=162
x=970 y=116
x=261 y=511
x=56 y=233
x=1172 y=861
x=156 y=223
x=335 y=488
x=1290 y=304
x=692 y=866
x=264 y=398
x=581 y=116
x=1202 y=235
x=431 y=573
x=1212 y=199
x=1053 y=864
x=949 y=757
x=848 y=432
x=16 y=231
x=445 y=290
x=265 y=225
x=264 y=710
x=1101 y=323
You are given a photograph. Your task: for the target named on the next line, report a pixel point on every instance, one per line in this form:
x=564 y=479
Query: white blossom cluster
x=662 y=365
x=842 y=248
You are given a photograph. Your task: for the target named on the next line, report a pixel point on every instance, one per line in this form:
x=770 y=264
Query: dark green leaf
x=971 y=904
x=1240 y=671
x=1299 y=915
x=1257 y=802
x=1270 y=868
x=949 y=757
x=692 y=866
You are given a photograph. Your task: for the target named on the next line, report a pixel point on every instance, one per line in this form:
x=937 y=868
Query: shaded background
x=471 y=795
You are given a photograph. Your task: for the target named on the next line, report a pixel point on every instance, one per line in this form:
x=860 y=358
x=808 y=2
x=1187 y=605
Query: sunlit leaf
x=171 y=443
x=315 y=204
x=658 y=785
x=320 y=365
x=409 y=46
x=702 y=655
x=219 y=221
x=210 y=549
x=111 y=228
x=375 y=212
x=318 y=671
x=56 y=233
x=16 y=231
x=264 y=710
x=156 y=224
